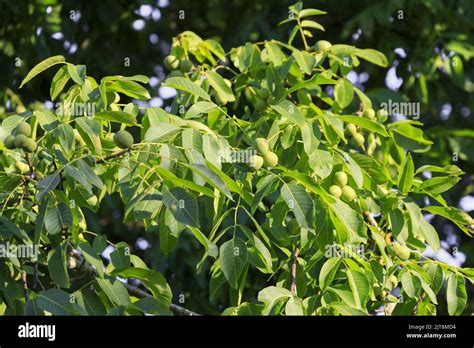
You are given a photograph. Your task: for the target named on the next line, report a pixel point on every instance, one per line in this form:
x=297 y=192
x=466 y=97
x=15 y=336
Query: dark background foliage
x=420 y=38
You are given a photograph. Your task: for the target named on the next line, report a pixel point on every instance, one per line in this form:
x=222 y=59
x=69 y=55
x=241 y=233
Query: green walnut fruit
x=351 y=128
x=369 y=113
x=171 y=62
x=260 y=105
x=20 y=141
x=359 y=139
x=335 y=191
x=256 y=162
x=400 y=251
x=262 y=145
x=176 y=73
x=185 y=65
x=21 y=167
x=348 y=194
x=23 y=128
x=30 y=145
x=264 y=93
x=9 y=142
x=123 y=139
x=323 y=45
x=382 y=115
x=340 y=178
x=270 y=159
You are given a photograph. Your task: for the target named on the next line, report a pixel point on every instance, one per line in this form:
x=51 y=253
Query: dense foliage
x=282 y=178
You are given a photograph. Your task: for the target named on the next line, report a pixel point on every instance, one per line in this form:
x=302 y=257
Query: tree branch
x=293 y=271
x=25 y=286
x=112 y=156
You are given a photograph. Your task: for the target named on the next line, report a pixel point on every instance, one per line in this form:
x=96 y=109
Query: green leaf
x=77 y=73
x=343 y=92
x=169 y=230
x=182 y=205
x=42 y=66
x=91 y=257
x=233 y=258
x=365 y=123
x=90 y=131
x=58 y=218
x=216 y=48
x=65 y=134
x=346 y=310
x=360 y=287
x=300 y=203
x=152 y=280
x=60 y=80
x=90 y=301
x=89 y=174
x=114 y=290
x=321 y=162
x=310 y=12
x=328 y=271
x=439 y=184
x=130 y=88
x=350 y=220
x=294 y=306
x=218 y=84
x=411 y=284
x=162 y=133
x=185 y=85
x=429 y=233
x=304 y=60
x=372 y=56
x=57 y=266
x=120 y=257
x=456 y=294
x=409 y=137
x=201 y=107
x=212 y=178
x=272 y=295
x=397 y=224
x=274 y=53
x=116 y=116
x=210 y=247
x=406 y=174
x=56 y=302
x=290 y=111
x=150 y=305
x=47 y=120
x=47 y=184
x=312 y=24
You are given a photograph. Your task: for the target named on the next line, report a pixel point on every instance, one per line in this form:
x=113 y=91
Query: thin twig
x=293 y=271
x=36 y=275
x=112 y=156
x=25 y=286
